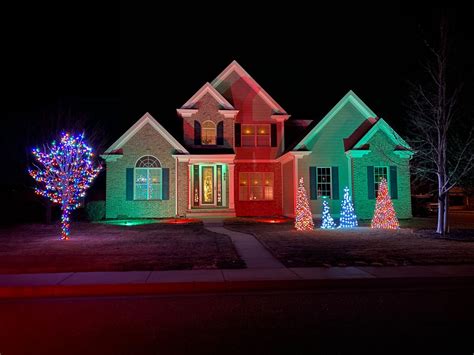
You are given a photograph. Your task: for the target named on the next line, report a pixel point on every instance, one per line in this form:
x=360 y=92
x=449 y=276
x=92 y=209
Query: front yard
x=102 y=247
x=359 y=246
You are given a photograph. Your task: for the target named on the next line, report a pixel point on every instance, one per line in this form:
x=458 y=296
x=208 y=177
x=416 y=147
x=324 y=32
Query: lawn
x=105 y=247
x=360 y=246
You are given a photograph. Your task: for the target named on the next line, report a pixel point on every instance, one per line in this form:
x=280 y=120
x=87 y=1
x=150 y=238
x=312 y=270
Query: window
x=255 y=135
x=148 y=179
x=379 y=173
x=324 y=182
x=255 y=186
x=208 y=136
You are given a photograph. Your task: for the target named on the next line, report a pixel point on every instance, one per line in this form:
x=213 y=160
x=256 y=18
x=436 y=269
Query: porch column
x=190 y=189
x=231 y=185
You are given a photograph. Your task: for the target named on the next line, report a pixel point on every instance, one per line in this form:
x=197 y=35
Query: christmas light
x=304 y=217
x=64 y=172
x=384 y=213
x=327 y=221
x=348 y=217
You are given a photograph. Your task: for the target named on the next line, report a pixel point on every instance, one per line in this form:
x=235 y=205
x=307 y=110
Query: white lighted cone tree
x=304 y=217
x=348 y=217
x=384 y=213
x=327 y=220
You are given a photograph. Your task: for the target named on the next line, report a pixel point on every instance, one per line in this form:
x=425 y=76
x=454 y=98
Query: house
x=233 y=158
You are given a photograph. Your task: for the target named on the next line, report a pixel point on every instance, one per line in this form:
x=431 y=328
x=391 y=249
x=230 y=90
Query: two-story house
x=233 y=159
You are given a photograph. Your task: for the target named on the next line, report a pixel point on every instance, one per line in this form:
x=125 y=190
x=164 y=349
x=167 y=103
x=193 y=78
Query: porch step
x=211 y=212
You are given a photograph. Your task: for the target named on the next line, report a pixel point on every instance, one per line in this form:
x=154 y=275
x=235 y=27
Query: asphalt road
x=431 y=319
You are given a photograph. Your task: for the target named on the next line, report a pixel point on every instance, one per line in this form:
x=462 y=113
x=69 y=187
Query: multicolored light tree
x=64 y=172
x=384 y=213
x=348 y=217
x=304 y=217
x=327 y=220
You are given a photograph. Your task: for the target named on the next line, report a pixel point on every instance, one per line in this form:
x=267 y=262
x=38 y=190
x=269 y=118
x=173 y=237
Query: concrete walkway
x=203 y=281
x=248 y=247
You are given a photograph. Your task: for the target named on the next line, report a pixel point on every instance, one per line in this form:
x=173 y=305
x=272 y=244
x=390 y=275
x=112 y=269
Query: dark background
x=100 y=67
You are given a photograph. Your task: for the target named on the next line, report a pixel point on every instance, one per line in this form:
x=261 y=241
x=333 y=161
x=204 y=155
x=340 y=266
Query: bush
x=95 y=210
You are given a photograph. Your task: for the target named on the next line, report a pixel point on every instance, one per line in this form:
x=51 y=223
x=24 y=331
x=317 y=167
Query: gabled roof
x=383 y=126
x=207 y=88
x=235 y=67
x=349 y=97
x=146 y=118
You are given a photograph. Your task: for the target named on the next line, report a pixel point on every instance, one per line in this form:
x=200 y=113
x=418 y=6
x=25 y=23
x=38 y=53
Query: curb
x=136 y=289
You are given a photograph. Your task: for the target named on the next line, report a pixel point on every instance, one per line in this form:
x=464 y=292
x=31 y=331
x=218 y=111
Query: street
x=430 y=319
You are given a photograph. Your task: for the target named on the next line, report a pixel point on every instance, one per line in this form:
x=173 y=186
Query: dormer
x=208 y=120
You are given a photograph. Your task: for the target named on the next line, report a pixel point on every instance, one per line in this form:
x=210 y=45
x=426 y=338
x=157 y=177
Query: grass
x=363 y=246
x=105 y=247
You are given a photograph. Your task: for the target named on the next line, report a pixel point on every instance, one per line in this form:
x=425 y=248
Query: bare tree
x=443 y=152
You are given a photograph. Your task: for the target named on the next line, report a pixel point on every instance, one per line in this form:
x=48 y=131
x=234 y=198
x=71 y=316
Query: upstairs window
x=255 y=135
x=208 y=136
x=148 y=179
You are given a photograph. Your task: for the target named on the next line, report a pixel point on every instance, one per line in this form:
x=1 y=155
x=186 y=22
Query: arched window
x=208 y=136
x=148 y=179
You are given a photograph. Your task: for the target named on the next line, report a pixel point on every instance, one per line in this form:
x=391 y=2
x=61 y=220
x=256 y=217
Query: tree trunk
x=440 y=225
x=65 y=222
x=445 y=214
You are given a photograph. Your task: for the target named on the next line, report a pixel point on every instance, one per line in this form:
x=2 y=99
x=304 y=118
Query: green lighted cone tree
x=384 y=213
x=304 y=217
x=348 y=217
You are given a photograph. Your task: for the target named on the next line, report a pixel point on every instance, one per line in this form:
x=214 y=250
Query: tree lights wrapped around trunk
x=384 y=213
x=348 y=218
x=304 y=217
x=64 y=172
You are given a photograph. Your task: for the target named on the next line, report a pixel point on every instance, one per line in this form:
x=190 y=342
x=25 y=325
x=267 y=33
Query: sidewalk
x=242 y=280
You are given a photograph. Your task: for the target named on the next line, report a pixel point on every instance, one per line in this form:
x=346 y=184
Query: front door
x=208 y=185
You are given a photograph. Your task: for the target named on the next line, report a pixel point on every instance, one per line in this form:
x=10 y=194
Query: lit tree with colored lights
x=328 y=222
x=64 y=172
x=348 y=217
x=304 y=217
x=384 y=214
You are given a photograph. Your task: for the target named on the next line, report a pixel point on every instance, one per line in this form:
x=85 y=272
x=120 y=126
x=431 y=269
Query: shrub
x=95 y=210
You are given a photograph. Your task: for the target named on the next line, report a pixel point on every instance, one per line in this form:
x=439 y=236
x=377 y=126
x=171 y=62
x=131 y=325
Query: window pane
x=256 y=193
x=141 y=192
x=256 y=179
x=324 y=182
x=243 y=188
x=268 y=179
x=248 y=130
x=268 y=192
x=263 y=130
x=140 y=176
x=155 y=192
x=263 y=141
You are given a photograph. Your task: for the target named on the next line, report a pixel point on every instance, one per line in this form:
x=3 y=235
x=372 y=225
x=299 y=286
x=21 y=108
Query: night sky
x=107 y=66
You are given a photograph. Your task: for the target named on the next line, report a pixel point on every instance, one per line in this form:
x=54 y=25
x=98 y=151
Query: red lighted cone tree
x=384 y=214
x=304 y=217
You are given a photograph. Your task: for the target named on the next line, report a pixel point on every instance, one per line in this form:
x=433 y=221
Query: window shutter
x=197 y=133
x=220 y=133
x=274 y=135
x=370 y=183
x=165 y=183
x=312 y=183
x=393 y=182
x=237 y=134
x=129 y=184
x=335 y=182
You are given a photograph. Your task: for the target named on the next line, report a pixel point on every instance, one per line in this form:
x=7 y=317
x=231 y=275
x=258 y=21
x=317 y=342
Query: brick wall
x=381 y=155
x=145 y=142
x=208 y=109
